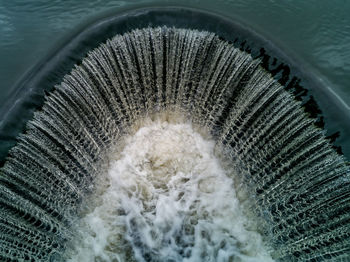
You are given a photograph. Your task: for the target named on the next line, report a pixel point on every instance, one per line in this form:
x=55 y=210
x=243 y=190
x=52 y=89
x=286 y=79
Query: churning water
x=146 y=191
x=166 y=197
x=166 y=143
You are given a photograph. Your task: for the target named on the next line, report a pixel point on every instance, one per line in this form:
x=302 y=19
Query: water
x=289 y=181
x=317 y=32
x=166 y=197
x=314 y=33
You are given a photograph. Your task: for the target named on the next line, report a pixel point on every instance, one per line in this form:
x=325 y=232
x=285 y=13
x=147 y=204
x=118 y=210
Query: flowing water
x=169 y=144
x=315 y=31
x=93 y=177
x=166 y=197
x=315 y=34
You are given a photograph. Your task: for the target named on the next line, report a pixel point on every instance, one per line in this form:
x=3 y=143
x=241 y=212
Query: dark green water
x=315 y=34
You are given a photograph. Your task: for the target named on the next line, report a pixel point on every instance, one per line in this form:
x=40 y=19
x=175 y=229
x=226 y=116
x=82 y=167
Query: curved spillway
x=294 y=184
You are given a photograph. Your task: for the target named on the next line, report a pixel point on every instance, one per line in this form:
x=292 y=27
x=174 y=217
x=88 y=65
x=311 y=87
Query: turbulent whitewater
x=166 y=197
x=92 y=179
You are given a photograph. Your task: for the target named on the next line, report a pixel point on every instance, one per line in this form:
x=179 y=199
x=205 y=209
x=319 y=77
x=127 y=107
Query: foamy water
x=167 y=198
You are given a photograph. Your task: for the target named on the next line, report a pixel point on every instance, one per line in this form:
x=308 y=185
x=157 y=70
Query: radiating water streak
x=289 y=177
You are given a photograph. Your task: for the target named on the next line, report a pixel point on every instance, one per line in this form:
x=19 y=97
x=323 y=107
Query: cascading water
x=79 y=163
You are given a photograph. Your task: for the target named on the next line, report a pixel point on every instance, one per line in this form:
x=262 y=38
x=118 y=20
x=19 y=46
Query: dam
x=173 y=144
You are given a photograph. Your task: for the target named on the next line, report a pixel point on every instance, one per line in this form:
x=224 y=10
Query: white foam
x=167 y=199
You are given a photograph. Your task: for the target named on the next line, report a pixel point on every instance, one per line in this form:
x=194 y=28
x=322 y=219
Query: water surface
x=314 y=33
